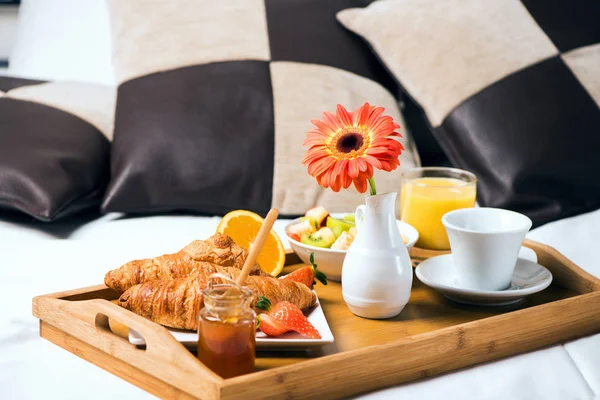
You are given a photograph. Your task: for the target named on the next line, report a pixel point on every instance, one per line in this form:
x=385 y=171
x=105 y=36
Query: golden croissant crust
x=217 y=251
x=176 y=303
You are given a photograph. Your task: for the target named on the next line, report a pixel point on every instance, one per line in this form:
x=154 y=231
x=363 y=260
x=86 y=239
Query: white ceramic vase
x=377 y=273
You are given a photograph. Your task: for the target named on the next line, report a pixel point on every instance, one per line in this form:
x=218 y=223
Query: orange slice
x=242 y=226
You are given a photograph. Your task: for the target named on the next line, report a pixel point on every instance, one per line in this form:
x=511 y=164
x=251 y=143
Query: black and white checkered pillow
x=54 y=146
x=511 y=88
x=215 y=99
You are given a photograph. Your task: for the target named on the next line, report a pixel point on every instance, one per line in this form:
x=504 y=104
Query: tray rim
x=456 y=338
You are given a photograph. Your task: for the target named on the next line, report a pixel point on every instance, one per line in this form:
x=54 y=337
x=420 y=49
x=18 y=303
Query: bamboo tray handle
x=156 y=336
x=89 y=322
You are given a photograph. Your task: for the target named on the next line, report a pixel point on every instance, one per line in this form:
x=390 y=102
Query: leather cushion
x=532 y=145
x=52 y=163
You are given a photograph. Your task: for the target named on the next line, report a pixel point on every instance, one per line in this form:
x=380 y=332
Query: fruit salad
x=319 y=229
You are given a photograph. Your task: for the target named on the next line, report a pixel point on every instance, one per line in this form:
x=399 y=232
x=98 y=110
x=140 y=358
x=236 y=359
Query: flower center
x=349 y=142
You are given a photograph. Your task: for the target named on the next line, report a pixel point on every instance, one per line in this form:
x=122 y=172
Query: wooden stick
x=257 y=245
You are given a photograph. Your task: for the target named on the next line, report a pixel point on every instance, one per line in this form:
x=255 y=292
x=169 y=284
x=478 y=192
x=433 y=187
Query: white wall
x=8 y=29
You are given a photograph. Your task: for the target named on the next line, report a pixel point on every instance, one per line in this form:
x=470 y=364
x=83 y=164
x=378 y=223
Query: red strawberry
x=284 y=317
x=294 y=236
x=302 y=275
x=290 y=316
x=270 y=327
x=307 y=274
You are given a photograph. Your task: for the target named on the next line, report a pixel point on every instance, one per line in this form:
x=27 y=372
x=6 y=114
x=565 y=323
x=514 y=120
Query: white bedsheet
x=36 y=258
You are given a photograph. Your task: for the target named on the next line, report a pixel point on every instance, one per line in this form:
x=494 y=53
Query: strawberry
x=284 y=317
x=294 y=236
x=269 y=326
x=291 y=317
x=307 y=274
x=302 y=275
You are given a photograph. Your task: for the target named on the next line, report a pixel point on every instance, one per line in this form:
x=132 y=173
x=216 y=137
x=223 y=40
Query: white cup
x=485 y=244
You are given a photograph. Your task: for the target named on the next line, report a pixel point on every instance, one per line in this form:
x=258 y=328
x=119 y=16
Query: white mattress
x=36 y=258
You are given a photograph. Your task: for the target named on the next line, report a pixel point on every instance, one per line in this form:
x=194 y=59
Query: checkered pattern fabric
x=54 y=146
x=511 y=89
x=215 y=98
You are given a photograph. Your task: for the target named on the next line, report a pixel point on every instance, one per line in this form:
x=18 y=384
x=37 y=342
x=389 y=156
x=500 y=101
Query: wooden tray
x=431 y=336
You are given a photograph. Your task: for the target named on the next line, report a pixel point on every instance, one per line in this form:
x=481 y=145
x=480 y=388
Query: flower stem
x=372 y=187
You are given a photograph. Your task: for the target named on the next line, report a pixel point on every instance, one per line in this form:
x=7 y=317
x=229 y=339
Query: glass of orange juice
x=430 y=192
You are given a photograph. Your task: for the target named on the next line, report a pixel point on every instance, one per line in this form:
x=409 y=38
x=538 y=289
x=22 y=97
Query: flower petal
x=322 y=180
x=353 y=169
x=372 y=161
x=347 y=180
x=314 y=155
x=370 y=170
x=362 y=164
x=343 y=115
x=383 y=150
x=315 y=135
x=332 y=120
x=312 y=141
x=360 y=185
x=361 y=115
x=323 y=127
x=321 y=166
x=339 y=181
x=375 y=115
x=340 y=167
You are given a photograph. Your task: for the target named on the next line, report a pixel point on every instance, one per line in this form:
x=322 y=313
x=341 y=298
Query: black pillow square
x=54 y=146
x=232 y=154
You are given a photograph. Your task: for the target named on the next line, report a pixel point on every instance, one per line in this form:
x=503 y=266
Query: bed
x=38 y=257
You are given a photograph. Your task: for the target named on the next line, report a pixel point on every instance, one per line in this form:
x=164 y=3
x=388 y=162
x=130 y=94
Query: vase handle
x=358 y=216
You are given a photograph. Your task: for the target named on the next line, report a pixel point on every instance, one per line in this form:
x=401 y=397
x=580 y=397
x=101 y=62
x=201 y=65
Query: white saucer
x=439 y=273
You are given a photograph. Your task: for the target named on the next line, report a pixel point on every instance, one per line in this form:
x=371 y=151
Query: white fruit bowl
x=330 y=261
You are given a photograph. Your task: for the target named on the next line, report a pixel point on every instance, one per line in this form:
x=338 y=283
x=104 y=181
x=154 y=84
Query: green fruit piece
x=313 y=221
x=311 y=240
x=323 y=238
x=350 y=218
x=264 y=304
x=338 y=226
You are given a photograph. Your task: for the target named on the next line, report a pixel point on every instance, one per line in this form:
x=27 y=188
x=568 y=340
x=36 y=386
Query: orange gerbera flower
x=346 y=146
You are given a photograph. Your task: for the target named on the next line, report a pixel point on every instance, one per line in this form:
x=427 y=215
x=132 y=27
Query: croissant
x=218 y=250
x=176 y=303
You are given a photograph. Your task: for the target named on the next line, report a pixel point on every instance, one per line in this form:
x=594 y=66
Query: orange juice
x=425 y=200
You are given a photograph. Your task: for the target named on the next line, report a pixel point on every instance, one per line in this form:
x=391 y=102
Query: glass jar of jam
x=227 y=330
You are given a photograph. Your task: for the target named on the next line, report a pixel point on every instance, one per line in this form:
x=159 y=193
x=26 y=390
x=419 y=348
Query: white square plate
x=290 y=340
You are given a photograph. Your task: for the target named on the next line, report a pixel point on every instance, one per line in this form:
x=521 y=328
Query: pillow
x=54 y=146
x=63 y=40
x=217 y=121
x=511 y=88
